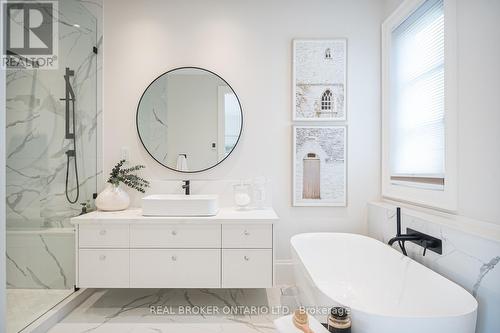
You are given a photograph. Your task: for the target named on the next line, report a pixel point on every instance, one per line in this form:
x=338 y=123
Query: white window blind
x=417 y=132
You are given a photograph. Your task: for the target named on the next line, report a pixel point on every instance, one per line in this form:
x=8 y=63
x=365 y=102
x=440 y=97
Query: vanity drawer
x=247 y=268
x=247 y=236
x=103 y=268
x=103 y=236
x=175 y=268
x=175 y=236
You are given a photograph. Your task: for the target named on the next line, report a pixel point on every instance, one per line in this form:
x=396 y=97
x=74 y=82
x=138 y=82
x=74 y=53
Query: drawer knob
x=174 y=232
x=174 y=258
x=246 y=233
x=102 y=232
x=247 y=258
x=102 y=257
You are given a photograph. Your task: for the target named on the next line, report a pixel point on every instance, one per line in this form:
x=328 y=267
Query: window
x=328 y=53
x=417 y=102
x=418 y=116
x=326 y=101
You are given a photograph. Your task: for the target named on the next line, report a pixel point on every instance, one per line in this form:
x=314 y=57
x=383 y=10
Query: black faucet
x=401 y=239
x=186 y=186
x=426 y=241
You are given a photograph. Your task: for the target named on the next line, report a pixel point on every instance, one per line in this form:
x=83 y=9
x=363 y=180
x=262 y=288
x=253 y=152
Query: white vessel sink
x=180 y=205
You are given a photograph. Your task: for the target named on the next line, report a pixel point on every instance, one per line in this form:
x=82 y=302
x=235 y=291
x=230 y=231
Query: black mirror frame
x=137 y=119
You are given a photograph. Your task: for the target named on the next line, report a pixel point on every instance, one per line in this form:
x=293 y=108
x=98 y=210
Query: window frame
x=328 y=54
x=446 y=197
x=327 y=101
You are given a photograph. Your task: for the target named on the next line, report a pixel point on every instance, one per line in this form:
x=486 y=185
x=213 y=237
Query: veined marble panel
x=469 y=258
x=41 y=259
x=35 y=133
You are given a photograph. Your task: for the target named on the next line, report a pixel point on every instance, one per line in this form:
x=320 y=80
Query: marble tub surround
x=176 y=310
x=471 y=253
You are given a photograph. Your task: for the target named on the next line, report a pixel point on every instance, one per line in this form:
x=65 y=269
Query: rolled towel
x=182 y=162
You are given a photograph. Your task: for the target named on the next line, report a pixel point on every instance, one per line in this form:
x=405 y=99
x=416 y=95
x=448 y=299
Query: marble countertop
x=224 y=216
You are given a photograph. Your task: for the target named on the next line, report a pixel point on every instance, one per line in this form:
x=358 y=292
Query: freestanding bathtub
x=386 y=291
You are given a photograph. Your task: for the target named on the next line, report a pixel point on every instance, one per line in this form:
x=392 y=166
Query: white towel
x=182 y=163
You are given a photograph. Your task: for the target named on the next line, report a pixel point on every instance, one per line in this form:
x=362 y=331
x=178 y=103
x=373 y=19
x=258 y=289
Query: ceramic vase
x=113 y=198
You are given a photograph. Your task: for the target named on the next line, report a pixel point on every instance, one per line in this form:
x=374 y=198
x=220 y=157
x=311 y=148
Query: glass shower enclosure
x=52 y=165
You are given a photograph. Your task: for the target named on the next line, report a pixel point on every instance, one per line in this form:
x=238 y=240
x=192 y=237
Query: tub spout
x=419 y=238
x=403 y=238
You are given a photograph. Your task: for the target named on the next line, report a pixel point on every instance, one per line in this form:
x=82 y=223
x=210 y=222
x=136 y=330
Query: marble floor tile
x=26 y=305
x=177 y=310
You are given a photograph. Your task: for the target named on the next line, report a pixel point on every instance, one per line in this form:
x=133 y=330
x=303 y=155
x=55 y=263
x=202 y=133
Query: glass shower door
x=51 y=166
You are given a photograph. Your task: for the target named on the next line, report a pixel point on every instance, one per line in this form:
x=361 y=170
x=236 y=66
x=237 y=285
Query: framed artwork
x=319 y=165
x=319 y=80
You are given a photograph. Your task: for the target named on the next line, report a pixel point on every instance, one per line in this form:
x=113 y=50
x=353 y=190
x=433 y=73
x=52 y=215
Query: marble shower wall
x=36 y=146
x=471 y=253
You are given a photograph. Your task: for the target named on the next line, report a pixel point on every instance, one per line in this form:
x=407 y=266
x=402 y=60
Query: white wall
x=479 y=109
x=390 y=6
x=249 y=43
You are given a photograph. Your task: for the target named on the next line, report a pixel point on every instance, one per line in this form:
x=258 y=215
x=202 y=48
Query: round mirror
x=189 y=119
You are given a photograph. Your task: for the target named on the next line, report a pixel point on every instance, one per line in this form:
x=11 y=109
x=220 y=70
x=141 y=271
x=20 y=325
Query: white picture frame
x=314 y=74
x=320 y=155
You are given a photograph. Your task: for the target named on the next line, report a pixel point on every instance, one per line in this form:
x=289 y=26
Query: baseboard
x=58 y=312
x=284 y=272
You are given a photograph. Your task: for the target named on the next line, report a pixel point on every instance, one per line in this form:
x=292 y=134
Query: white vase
x=112 y=198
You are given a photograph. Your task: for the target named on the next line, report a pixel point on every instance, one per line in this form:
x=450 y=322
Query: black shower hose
x=68 y=154
x=76 y=178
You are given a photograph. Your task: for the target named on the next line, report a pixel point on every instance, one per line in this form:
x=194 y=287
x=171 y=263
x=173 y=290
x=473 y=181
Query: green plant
x=128 y=177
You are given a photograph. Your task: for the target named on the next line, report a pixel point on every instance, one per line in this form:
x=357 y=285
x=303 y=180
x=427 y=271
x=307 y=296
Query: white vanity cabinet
x=233 y=249
x=175 y=268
